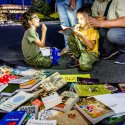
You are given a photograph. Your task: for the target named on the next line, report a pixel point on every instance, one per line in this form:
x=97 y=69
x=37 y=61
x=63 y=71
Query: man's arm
x=120 y=22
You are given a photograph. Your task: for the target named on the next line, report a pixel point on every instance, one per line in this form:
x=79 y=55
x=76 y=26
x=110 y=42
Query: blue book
x=15 y=118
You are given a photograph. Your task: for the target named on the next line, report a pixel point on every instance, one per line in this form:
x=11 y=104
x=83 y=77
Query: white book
x=45 y=51
x=51 y=101
x=41 y=122
x=15 y=101
x=115 y=101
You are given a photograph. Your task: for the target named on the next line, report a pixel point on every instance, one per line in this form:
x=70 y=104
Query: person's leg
x=106 y=48
x=116 y=36
x=63 y=17
x=40 y=61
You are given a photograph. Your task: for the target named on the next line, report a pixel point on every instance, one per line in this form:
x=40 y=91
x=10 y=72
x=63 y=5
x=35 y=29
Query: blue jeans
x=66 y=15
x=113 y=38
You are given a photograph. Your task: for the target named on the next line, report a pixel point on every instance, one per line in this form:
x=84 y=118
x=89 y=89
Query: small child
x=31 y=43
x=83 y=43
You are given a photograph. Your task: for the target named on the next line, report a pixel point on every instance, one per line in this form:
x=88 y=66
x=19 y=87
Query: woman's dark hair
x=86 y=10
x=26 y=17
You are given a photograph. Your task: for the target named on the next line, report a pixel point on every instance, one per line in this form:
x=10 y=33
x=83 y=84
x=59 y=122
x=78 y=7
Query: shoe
x=120 y=59
x=110 y=54
x=64 y=51
x=73 y=63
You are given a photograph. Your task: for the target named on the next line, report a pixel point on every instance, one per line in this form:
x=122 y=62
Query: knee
x=114 y=35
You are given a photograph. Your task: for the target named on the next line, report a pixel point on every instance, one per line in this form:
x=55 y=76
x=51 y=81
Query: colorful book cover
x=13 y=118
x=73 y=77
x=93 y=109
x=90 y=90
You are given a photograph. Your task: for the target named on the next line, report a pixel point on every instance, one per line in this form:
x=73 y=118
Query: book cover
x=15 y=101
x=9 y=90
x=90 y=90
x=41 y=122
x=44 y=114
x=51 y=101
x=53 y=82
x=73 y=77
x=14 y=118
x=67 y=31
x=68 y=100
x=93 y=109
x=70 y=118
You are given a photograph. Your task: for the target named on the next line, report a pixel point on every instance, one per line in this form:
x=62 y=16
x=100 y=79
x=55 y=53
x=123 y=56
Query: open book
x=66 y=30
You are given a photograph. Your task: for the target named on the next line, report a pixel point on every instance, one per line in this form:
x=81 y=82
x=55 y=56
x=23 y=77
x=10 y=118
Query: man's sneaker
x=73 y=63
x=110 y=55
x=120 y=59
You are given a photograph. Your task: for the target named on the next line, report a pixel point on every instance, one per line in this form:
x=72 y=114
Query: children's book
x=53 y=82
x=93 y=109
x=44 y=114
x=41 y=122
x=85 y=81
x=52 y=100
x=9 y=90
x=90 y=90
x=15 y=101
x=13 y=118
x=73 y=77
x=67 y=31
x=122 y=87
x=3 y=87
x=68 y=100
x=72 y=117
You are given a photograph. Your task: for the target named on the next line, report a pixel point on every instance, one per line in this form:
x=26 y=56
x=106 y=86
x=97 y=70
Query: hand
x=94 y=22
x=78 y=34
x=44 y=28
x=77 y=27
x=72 y=4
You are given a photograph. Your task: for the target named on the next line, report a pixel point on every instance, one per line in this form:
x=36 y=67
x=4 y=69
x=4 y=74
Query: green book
x=90 y=90
x=10 y=90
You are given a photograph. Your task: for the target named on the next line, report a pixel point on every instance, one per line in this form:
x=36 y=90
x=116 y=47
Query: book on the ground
x=44 y=114
x=51 y=101
x=85 y=81
x=73 y=77
x=93 y=109
x=15 y=101
x=90 y=90
x=72 y=117
x=41 y=122
x=113 y=120
x=68 y=100
x=13 y=118
x=32 y=112
x=22 y=80
x=115 y=101
x=53 y=82
x=45 y=51
x=9 y=90
x=3 y=87
x=122 y=87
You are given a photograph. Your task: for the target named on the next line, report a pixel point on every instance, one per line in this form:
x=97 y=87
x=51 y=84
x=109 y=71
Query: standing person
x=31 y=43
x=67 y=14
x=83 y=43
x=98 y=8
x=113 y=30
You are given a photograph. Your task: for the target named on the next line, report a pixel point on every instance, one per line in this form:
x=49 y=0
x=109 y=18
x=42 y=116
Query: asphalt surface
x=10 y=51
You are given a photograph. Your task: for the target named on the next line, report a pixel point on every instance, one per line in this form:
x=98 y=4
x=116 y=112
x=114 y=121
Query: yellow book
x=73 y=77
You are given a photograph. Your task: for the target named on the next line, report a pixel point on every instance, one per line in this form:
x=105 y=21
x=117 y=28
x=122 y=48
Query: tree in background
x=41 y=6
